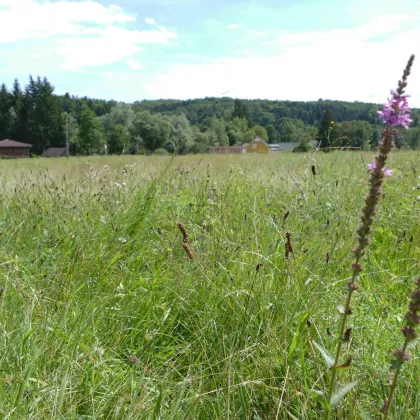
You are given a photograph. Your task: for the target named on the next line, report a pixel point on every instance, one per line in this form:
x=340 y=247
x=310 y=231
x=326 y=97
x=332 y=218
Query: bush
x=161 y=152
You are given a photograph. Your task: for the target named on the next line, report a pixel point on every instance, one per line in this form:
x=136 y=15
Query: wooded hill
x=37 y=116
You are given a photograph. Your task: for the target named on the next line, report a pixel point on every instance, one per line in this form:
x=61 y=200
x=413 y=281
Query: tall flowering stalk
x=412 y=318
x=396 y=112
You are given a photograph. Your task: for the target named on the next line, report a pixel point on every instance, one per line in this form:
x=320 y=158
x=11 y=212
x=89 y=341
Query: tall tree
x=236 y=131
x=71 y=128
x=121 y=114
x=44 y=124
x=90 y=136
x=326 y=135
x=216 y=129
x=117 y=139
x=353 y=133
x=240 y=110
x=181 y=137
x=5 y=118
x=257 y=131
x=151 y=131
x=272 y=133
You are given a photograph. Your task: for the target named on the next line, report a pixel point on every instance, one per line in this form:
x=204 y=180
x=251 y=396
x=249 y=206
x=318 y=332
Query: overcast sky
x=131 y=50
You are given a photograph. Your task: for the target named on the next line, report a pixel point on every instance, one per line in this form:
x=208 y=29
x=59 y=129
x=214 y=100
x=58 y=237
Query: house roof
x=280 y=147
x=13 y=143
x=258 y=140
x=54 y=152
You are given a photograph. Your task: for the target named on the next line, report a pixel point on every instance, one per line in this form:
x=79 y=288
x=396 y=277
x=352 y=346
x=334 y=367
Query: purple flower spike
x=396 y=111
x=372 y=167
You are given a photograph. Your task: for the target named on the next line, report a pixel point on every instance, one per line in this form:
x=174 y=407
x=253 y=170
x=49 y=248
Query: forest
x=35 y=114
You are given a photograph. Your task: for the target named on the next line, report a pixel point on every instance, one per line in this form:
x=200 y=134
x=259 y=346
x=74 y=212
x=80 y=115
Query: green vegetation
x=37 y=116
x=103 y=315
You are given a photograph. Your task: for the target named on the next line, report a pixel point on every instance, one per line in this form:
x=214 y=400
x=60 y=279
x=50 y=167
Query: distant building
x=14 y=149
x=228 y=149
x=282 y=147
x=54 y=152
x=257 y=145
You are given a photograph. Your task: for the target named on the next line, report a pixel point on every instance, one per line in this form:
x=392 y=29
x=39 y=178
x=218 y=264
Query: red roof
x=13 y=143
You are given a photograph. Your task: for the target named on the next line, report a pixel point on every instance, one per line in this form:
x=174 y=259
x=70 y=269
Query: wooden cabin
x=14 y=149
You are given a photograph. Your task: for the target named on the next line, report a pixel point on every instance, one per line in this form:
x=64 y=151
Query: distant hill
x=265 y=112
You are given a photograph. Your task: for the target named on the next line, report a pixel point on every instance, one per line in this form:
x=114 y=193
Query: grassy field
x=104 y=316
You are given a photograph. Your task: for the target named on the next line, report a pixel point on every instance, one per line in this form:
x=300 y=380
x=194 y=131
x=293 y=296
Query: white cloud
x=134 y=65
x=30 y=19
x=234 y=26
x=379 y=26
x=150 y=21
x=347 y=67
x=83 y=34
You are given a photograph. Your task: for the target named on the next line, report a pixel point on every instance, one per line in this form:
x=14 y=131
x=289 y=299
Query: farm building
x=282 y=147
x=228 y=149
x=257 y=145
x=14 y=149
x=54 y=152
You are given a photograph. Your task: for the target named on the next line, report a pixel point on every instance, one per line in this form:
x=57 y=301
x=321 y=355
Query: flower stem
x=387 y=404
x=351 y=289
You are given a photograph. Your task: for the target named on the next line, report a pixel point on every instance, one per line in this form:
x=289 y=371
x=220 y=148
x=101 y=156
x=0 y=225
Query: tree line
x=36 y=115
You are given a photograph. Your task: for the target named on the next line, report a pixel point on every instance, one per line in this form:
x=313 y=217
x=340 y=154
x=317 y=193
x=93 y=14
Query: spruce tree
x=5 y=105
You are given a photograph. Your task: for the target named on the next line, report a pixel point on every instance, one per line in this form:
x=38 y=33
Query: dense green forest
x=35 y=115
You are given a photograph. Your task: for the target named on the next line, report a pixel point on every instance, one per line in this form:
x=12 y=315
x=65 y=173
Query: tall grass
x=104 y=315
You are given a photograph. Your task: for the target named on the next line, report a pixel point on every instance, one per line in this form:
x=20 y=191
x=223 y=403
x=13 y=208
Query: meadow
x=103 y=314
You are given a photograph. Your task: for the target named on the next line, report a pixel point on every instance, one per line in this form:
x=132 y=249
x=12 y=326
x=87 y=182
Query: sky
x=130 y=50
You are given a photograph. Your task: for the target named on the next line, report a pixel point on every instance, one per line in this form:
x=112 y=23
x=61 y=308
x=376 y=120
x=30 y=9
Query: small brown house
x=257 y=145
x=14 y=149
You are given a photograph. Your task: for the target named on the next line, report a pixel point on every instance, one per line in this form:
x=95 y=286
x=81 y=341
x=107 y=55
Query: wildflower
x=396 y=111
x=412 y=318
x=386 y=171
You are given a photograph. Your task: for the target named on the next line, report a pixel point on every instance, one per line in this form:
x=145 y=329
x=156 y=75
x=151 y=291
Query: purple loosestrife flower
x=386 y=172
x=372 y=166
x=396 y=111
